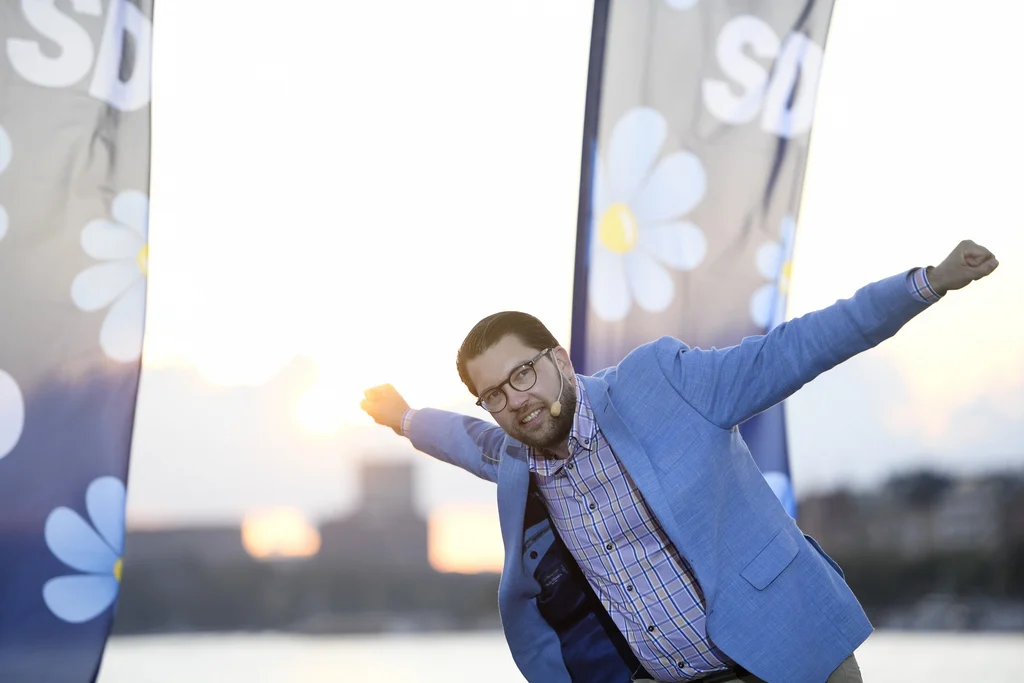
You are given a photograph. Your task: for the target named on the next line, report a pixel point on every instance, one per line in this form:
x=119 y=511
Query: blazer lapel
x=513 y=487
x=629 y=451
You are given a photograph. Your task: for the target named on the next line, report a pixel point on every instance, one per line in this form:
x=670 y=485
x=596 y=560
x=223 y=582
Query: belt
x=724 y=676
x=730 y=674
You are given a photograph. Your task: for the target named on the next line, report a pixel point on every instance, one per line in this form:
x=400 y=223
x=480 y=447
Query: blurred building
x=836 y=517
x=212 y=546
x=385 y=531
x=969 y=517
x=916 y=515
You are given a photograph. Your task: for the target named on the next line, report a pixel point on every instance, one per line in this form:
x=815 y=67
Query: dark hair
x=496 y=327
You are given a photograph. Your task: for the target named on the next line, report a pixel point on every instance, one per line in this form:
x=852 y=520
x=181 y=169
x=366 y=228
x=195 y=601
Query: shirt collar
x=582 y=436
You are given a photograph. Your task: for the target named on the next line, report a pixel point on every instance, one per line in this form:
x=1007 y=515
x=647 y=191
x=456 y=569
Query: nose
x=516 y=399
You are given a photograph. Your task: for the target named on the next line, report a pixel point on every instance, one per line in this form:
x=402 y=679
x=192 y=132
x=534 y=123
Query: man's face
x=526 y=415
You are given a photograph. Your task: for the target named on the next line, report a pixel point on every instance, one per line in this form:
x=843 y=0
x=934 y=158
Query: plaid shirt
x=917 y=283
x=641 y=579
x=647 y=587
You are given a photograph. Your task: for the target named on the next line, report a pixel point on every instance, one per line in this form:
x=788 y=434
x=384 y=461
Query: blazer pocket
x=770 y=562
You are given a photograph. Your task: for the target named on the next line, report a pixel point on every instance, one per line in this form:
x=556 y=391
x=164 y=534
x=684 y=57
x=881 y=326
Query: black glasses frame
x=532 y=364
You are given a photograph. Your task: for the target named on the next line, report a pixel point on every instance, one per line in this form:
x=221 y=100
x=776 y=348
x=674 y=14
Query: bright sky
x=330 y=181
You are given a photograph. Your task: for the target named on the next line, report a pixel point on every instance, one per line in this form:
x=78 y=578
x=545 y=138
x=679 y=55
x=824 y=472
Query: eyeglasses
x=522 y=378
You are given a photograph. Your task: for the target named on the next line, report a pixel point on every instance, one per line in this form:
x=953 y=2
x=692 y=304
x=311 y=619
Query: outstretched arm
x=466 y=442
x=731 y=385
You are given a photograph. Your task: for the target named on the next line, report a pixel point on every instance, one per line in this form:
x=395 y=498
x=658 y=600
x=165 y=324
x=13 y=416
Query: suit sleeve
x=731 y=385
x=472 y=444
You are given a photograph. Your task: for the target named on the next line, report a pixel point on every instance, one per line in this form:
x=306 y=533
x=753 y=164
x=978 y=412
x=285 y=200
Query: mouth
x=531 y=418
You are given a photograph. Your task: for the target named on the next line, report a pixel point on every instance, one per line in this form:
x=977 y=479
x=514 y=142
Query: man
x=641 y=541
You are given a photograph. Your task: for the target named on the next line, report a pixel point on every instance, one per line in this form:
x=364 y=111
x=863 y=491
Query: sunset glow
x=279 y=533
x=465 y=539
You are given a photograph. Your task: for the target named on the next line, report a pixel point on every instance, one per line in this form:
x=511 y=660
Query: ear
x=562 y=358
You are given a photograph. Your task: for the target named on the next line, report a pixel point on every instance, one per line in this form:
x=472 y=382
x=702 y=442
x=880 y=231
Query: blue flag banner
x=695 y=144
x=74 y=185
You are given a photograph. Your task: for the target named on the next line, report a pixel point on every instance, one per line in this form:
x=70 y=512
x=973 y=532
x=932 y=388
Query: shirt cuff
x=918 y=285
x=407 y=421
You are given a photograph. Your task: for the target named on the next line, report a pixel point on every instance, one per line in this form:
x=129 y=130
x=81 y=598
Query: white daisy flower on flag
x=119 y=282
x=5 y=159
x=12 y=413
x=774 y=262
x=93 y=549
x=637 y=222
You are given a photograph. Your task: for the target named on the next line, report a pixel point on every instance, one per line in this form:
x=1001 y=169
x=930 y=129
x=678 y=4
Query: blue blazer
x=776 y=603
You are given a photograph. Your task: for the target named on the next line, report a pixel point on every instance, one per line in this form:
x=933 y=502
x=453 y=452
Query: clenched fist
x=965 y=264
x=386 y=406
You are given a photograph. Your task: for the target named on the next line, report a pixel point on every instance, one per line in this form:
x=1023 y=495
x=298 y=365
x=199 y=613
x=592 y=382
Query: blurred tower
x=387 y=491
x=385 y=533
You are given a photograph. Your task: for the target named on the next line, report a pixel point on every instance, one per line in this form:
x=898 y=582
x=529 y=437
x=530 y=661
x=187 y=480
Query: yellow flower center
x=787 y=271
x=117 y=569
x=142 y=258
x=617 y=229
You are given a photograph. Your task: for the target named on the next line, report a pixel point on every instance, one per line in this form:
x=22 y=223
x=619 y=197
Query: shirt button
x=533 y=554
x=586 y=441
x=650 y=629
x=608 y=547
x=681 y=665
x=629 y=588
x=569 y=466
x=593 y=506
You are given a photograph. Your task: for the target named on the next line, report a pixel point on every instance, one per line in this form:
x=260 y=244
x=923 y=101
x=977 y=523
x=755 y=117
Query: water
x=887 y=657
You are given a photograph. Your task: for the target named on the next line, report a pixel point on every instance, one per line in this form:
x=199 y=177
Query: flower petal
x=77 y=544
x=634 y=145
x=651 y=284
x=606 y=285
x=769 y=260
x=131 y=209
x=12 y=413
x=787 y=229
x=121 y=334
x=681 y=245
x=5 y=149
x=95 y=287
x=3 y=222
x=676 y=186
x=80 y=598
x=105 y=501
x=104 y=240
x=761 y=304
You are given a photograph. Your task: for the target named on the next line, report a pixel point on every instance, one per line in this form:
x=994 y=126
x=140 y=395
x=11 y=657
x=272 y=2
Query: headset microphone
x=556 y=407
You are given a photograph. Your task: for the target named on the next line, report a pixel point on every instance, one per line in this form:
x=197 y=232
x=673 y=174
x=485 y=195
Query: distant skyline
x=321 y=210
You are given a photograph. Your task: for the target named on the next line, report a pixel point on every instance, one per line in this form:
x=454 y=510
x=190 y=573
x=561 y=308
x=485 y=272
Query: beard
x=557 y=429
